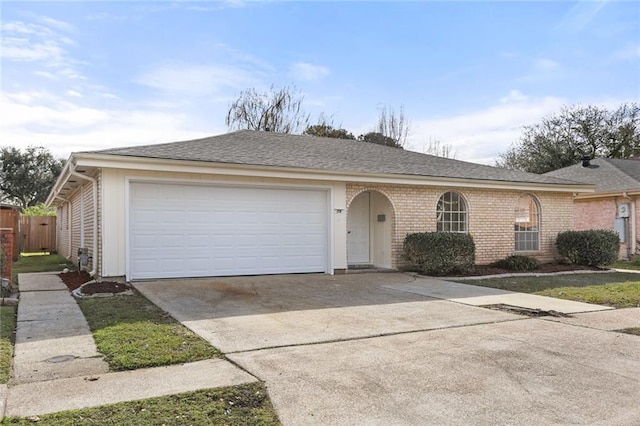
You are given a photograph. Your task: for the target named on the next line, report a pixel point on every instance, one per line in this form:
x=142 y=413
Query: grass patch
x=7 y=339
x=623 y=264
x=620 y=290
x=633 y=330
x=623 y=295
x=134 y=333
x=238 y=405
x=40 y=263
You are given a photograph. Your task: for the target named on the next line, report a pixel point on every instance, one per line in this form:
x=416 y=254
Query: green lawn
x=7 y=339
x=40 y=263
x=621 y=264
x=620 y=290
x=238 y=405
x=134 y=333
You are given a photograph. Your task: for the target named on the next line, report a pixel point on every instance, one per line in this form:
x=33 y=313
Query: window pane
x=451 y=213
x=527 y=224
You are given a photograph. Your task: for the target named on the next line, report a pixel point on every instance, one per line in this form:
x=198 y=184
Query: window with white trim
x=451 y=213
x=527 y=224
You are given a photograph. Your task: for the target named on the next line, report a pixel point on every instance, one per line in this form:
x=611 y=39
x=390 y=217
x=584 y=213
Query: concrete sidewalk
x=53 y=339
x=92 y=391
x=481 y=296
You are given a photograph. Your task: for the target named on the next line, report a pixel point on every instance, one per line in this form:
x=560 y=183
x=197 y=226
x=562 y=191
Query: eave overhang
x=89 y=162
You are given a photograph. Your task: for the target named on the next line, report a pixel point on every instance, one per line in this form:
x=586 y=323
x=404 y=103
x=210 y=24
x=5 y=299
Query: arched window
x=527 y=224
x=451 y=213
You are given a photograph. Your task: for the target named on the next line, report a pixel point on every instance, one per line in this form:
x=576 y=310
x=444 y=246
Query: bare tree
x=278 y=110
x=439 y=149
x=393 y=125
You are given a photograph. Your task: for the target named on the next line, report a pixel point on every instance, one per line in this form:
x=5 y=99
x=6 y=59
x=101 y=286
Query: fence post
x=6 y=245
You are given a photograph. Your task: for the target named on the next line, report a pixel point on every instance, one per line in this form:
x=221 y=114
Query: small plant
x=589 y=248
x=517 y=263
x=439 y=253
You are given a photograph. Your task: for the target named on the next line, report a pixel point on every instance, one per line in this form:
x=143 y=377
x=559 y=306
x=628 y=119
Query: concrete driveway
x=357 y=349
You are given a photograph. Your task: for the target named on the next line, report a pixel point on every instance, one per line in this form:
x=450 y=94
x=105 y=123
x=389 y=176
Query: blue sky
x=90 y=75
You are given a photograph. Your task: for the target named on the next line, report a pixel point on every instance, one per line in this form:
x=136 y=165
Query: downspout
x=94 y=185
x=631 y=247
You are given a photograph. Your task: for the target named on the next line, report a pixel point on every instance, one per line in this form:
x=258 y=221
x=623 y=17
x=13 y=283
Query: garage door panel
x=192 y=230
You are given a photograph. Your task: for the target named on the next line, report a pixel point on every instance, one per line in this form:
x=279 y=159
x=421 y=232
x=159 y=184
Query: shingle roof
x=310 y=152
x=608 y=174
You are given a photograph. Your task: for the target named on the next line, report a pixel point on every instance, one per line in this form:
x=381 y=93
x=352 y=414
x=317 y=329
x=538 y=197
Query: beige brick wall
x=491 y=217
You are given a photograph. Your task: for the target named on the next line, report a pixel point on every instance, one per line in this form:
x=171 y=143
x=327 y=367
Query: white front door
x=358 y=245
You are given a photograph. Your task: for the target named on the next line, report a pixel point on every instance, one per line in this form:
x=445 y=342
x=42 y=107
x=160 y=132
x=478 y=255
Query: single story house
x=249 y=203
x=613 y=205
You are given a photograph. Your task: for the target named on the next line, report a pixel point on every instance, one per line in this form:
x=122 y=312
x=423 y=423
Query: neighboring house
x=248 y=203
x=613 y=204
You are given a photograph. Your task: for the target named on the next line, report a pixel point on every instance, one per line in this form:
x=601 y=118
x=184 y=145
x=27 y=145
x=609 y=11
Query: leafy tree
x=39 y=210
x=328 y=131
x=26 y=177
x=380 y=139
x=278 y=110
x=393 y=125
x=562 y=140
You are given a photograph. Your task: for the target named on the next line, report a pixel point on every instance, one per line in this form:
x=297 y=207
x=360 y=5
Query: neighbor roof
x=608 y=174
x=247 y=147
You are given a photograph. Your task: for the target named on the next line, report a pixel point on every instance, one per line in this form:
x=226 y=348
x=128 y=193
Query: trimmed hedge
x=439 y=253
x=517 y=263
x=589 y=248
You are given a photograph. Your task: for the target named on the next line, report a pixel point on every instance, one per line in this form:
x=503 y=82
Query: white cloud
x=74 y=94
x=631 y=51
x=479 y=136
x=198 y=80
x=308 y=72
x=545 y=64
x=40 y=44
x=40 y=118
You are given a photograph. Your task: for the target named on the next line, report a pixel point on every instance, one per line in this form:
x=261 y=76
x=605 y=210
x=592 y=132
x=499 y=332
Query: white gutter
x=94 y=185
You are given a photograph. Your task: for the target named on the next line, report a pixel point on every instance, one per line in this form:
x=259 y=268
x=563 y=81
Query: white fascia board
x=184 y=166
x=60 y=182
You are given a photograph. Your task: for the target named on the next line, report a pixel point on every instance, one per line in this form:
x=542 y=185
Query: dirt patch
x=74 y=280
x=544 y=268
x=105 y=287
x=530 y=312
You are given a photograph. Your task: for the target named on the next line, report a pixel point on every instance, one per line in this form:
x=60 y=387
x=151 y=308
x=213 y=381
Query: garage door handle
x=348 y=232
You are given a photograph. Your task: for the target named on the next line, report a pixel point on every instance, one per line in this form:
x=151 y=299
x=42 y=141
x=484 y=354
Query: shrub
x=589 y=248
x=439 y=253
x=517 y=263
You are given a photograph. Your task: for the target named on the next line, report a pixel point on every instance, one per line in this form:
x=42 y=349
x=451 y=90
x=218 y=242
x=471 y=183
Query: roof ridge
x=608 y=160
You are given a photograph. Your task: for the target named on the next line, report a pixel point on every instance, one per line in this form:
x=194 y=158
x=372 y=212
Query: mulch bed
x=543 y=269
x=74 y=280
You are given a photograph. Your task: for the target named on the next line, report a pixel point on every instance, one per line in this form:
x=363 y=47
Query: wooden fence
x=38 y=234
x=10 y=218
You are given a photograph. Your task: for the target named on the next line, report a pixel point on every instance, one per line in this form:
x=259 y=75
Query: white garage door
x=198 y=231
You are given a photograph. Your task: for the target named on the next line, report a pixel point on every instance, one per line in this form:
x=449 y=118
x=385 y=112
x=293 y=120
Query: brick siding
x=491 y=215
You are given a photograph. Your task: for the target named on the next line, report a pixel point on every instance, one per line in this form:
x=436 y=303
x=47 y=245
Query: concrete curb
x=110 y=388
x=525 y=274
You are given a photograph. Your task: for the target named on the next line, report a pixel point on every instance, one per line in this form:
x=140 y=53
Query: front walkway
x=482 y=296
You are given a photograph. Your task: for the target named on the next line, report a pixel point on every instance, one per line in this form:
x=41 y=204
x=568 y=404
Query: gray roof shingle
x=337 y=155
x=608 y=174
